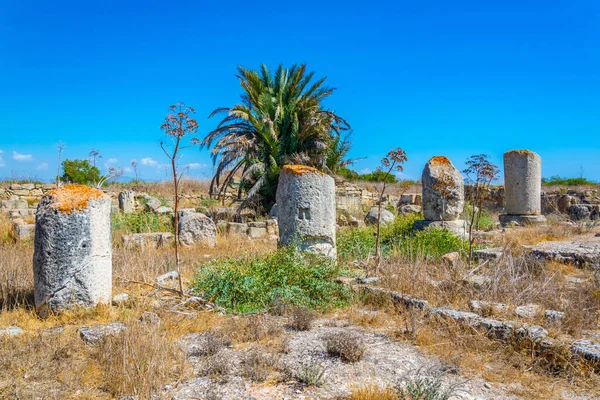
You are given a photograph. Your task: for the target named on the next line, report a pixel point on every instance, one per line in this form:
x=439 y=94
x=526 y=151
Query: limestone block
x=438 y=172
x=197 y=229
x=522 y=182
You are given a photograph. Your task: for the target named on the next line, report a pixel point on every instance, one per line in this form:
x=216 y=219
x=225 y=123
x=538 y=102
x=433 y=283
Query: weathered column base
x=458 y=227
x=521 y=220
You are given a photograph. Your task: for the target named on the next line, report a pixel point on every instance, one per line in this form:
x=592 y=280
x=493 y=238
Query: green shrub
x=557 y=180
x=398 y=238
x=256 y=284
x=141 y=222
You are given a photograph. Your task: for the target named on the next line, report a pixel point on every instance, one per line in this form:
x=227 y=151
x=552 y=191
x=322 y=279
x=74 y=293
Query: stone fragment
x=306 y=210
x=451 y=259
x=580 y=212
x=153 y=240
x=409 y=209
x=386 y=216
x=570 y=251
x=529 y=311
x=165 y=278
x=587 y=349
x=257 y=233
x=10 y=331
x=237 y=228
x=487 y=307
x=150 y=318
x=457 y=227
x=72 y=261
x=197 y=229
x=95 y=333
x=553 y=315
x=492 y=253
x=478 y=282
x=120 y=298
x=152 y=203
x=272 y=227
x=127 y=202
x=22 y=230
x=564 y=202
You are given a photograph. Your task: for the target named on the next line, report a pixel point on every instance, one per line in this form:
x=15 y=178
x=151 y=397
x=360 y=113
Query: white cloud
x=149 y=161
x=42 y=166
x=22 y=157
x=127 y=169
x=196 y=166
x=110 y=162
x=365 y=171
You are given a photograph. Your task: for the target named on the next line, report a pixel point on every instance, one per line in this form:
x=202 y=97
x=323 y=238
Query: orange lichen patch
x=440 y=160
x=300 y=169
x=71 y=198
x=520 y=151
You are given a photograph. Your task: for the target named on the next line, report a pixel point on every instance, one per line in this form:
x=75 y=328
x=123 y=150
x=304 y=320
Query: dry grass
x=139 y=361
x=372 y=392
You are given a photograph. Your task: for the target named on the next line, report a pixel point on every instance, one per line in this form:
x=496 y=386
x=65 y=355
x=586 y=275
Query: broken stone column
x=72 y=260
x=443 y=197
x=127 y=202
x=196 y=229
x=522 y=188
x=306 y=209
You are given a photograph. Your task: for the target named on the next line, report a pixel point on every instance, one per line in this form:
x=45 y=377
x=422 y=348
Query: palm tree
x=280 y=120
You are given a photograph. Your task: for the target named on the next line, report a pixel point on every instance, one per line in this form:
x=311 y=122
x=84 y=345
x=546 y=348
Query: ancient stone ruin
x=197 y=229
x=443 y=196
x=522 y=188
x=306 y=209
x=72 y=260
x=127 y=202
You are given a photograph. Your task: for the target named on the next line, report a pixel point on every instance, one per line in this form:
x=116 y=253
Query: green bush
x=557 y=180
x=398 y=238
x=141 y=222
x=80 y=171
x=286 y=276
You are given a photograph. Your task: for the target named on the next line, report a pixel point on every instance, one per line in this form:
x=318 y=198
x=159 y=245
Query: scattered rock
x=575 y=252
x=478 y=282
x=409 y=209
x=11 y=331
x=148 y=240
x=451 y=259
x=486 y=307
x=386 y=217
x=492 y=253
x=94 y=334
x=580 y=212
x=553 y=315
x=152 y=203
x=587 y=349
x=528 y=311
x=127 y=201
x=165 y=278
x=373 y=280
x=150 y=318
x=120 y=298
x=164 y=210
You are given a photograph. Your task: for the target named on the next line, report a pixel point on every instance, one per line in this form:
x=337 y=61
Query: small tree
x=445 y=185
x=134 y=165
x=60 y=146
x=94 y=155
x=393 y=161
x=480 y=173
x=80 y=171
x=178 y=125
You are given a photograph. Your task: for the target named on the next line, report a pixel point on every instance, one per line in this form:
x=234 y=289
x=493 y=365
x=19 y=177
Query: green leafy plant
x=256 y=284
x=80 y=171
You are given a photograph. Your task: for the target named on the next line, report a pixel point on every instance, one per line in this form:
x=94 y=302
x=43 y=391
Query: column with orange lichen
x=72 y=262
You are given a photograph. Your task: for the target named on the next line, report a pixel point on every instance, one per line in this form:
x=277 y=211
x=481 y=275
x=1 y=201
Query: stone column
x=443 y=198
x=522 y=188
x=72 y=260
x=127 y=201
x=306 y=209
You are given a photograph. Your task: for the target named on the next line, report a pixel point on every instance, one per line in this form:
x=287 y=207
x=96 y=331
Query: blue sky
x=435 y=78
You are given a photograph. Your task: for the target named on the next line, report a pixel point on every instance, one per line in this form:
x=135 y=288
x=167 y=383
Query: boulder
x=197 y=229
x=580 y=212
x=409 y=209
x=564 y=202
x=386 y=217
x=439 y=173
x=152 y=203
